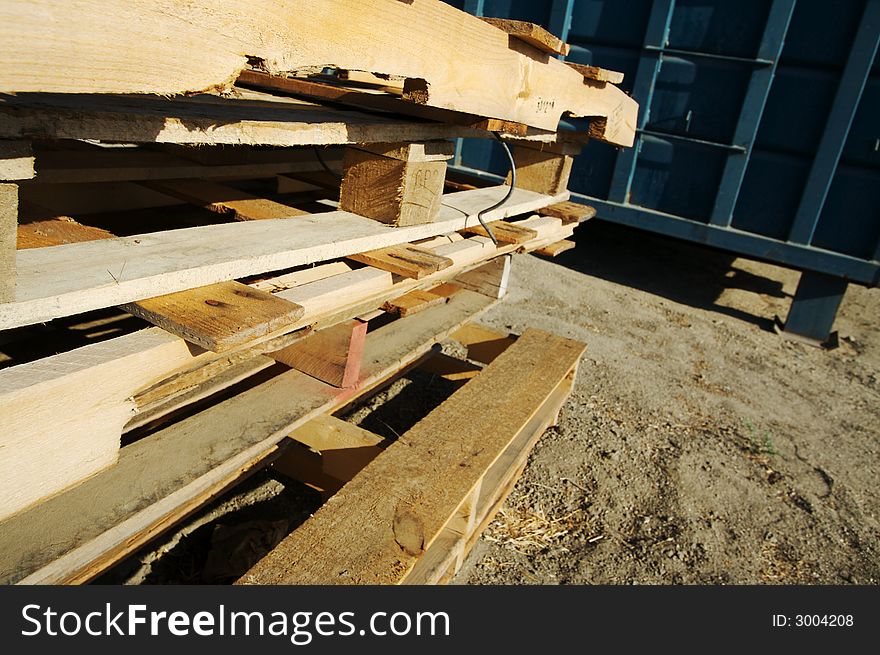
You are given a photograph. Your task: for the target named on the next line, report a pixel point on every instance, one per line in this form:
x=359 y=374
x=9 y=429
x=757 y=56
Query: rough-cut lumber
x=56 y=232
x=115 y=271
x=446 y=555
x=8 y=232
x=205 y=120
x=596 y=73
x=412 y=302
x=332 y=355
x=483 y=344
x=224 y=199
x=328 y=453
x=569 y=212
x=161 y=478
x=376 y=528
x=220 y=316
x=377 y=100
x=116 y=50
x=110 y=164
x=217 y=317
x=407 y=260
x=450 y=368
x=490 y=280
x=532 y=34
x=504 y=232
x=398 y=184
x=541 y=171
x=16 y=160
x=556 y=248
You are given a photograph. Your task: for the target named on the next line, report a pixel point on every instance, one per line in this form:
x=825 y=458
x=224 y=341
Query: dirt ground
x=698 y=446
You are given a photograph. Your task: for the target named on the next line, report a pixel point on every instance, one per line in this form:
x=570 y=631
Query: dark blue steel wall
x=759 y=123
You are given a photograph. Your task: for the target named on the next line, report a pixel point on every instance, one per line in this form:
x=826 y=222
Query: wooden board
x=541 y=171
x=332 y=355
x=220 y=316
x=378 y=526
x=482 y=343
x=531 y=33
x=333 y=451
x=224 y=199
x=110 y=164
x=207 y=120
x=391 y=190
x=556 y=248
x=16 y=160
x=161 y=478
x=491 y=279
x=569 y=212
x=116 y=50
x=57 y=231
x=596 y=73
x=116 y=271
x=407 y=260
x=413 y=302
x=504 y=232
x=8 y=228
x=371 y=99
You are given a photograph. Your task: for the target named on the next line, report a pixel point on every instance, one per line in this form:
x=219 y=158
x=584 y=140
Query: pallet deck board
x=116 y=271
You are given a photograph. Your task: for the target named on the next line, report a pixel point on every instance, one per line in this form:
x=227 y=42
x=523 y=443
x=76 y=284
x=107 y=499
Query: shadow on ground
x=686 y=273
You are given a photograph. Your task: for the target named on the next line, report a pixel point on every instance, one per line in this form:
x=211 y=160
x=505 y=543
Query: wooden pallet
x=412 y=513
x=506 y=77
x=180 y=465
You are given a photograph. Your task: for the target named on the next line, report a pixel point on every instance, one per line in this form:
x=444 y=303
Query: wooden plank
x=207 y=120
x=596 y=73
x=219 y=316
x=450 y=368
x=369 y=99
x=159 y=479
x=115 y=271
x=376 y=528
x=466 y=251
x=407 y=260
x=137 y=164
x=332 y=355
x=531 y=33
x=413 y=302
x=541 y=171
x=8 y=231
x=344 y=447
x=569 y=212
x=57 y=231
x=483 y=344
x=544 y=226
x=556 y=248
x=397 y=187
x=490 y=279
x=505 y=232
x=224 y=199
x=501 y=81
x=16 y=160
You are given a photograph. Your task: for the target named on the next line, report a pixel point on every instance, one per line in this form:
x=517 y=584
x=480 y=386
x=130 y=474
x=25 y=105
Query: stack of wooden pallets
x=270 y=193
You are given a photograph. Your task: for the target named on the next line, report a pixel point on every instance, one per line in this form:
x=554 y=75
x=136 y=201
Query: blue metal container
x=759 y=130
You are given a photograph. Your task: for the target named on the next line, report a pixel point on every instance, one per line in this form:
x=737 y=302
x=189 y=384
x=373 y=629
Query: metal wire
x=324 y=164
x=507 y=195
